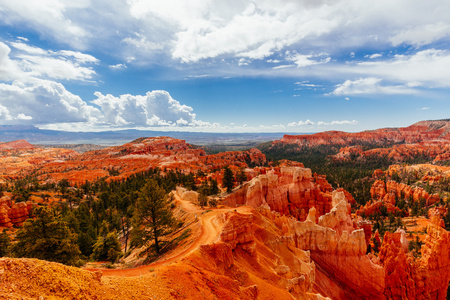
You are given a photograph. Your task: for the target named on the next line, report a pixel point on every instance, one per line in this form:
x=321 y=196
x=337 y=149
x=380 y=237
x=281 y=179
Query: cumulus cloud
x=42 y=102
x=156 y=108
x=301 y=123
x=8 y=68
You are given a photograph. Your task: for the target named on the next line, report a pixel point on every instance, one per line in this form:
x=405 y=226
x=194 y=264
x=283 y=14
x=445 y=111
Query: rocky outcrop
x=423 y=278
x=14 y=145
x=143 y=154
x=391 y=190
x=416 y=133
x=434 y=150
x=19 y=159
x=289 y=190
x=13 y=213
x=238 y=232
x=339 y=249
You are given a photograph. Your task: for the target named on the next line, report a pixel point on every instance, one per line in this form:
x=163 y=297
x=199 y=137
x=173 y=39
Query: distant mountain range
x=35 y=135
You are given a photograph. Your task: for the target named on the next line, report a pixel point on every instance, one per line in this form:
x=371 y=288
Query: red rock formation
x=423 y=278
x=13 y=213
x=378 y=190
x=142 y=154
x=437 y=150
x=19 y=144
x=387 y=193
x=19 y=159
x=418 y=132
x=340 y=251
x=291 y=191
x=18 y=213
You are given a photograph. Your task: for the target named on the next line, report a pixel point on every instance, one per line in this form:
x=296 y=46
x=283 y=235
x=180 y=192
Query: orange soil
x=210 y=230
x=417 y=226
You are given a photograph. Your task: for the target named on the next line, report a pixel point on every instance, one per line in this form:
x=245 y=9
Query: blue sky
x=224 y=66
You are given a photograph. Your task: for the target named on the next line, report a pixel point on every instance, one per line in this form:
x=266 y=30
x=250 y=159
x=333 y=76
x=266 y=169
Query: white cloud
x=307 y=60
x=306 y=84
x=429 y=68
x=24 y=117
x=42 y=102
x=33 y=62
x=49 y=105
x=8 y=68
x=54 y=68
x=422 y=34
x=79 y=57
x=156 y=108
x=301 y=123
x=201 y=29
x=243 y=62
x=48 y=17
x=322 y=123
x=343 y=122
x=283 y=67
x=118 y=67
x=373 y=56
x=369 y=86
x=191 y=31
x=29 y=49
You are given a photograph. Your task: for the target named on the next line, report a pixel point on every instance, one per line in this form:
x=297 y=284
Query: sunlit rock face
x=288 y=190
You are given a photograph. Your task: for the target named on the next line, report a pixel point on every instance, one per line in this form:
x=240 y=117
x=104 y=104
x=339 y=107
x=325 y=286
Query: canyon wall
x=288 y=190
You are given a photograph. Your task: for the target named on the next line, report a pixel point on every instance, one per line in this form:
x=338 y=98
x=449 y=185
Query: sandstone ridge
x=419 y=132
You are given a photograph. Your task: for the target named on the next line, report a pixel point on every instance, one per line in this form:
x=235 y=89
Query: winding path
x=210 y=231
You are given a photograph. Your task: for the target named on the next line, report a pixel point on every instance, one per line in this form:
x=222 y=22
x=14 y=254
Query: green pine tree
x=153 y=218
x=5 y=243
x=228 y=179
x=107 y=248
x=47 y=237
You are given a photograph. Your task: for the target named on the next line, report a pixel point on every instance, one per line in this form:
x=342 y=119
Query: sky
x=224 y=66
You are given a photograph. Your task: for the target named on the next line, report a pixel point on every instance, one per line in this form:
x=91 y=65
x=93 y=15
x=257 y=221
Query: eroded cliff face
x=13 y=213
x=250 y=259
x=338 y=247
x=387 y=193
x=424 y=278
x=419 y=132
x=290 y=190
x=435 y=150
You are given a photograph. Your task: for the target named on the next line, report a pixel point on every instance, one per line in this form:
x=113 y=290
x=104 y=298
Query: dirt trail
x=210 y=230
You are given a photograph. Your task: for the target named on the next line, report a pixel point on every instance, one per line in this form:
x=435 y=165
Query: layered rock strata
x=290 y=191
